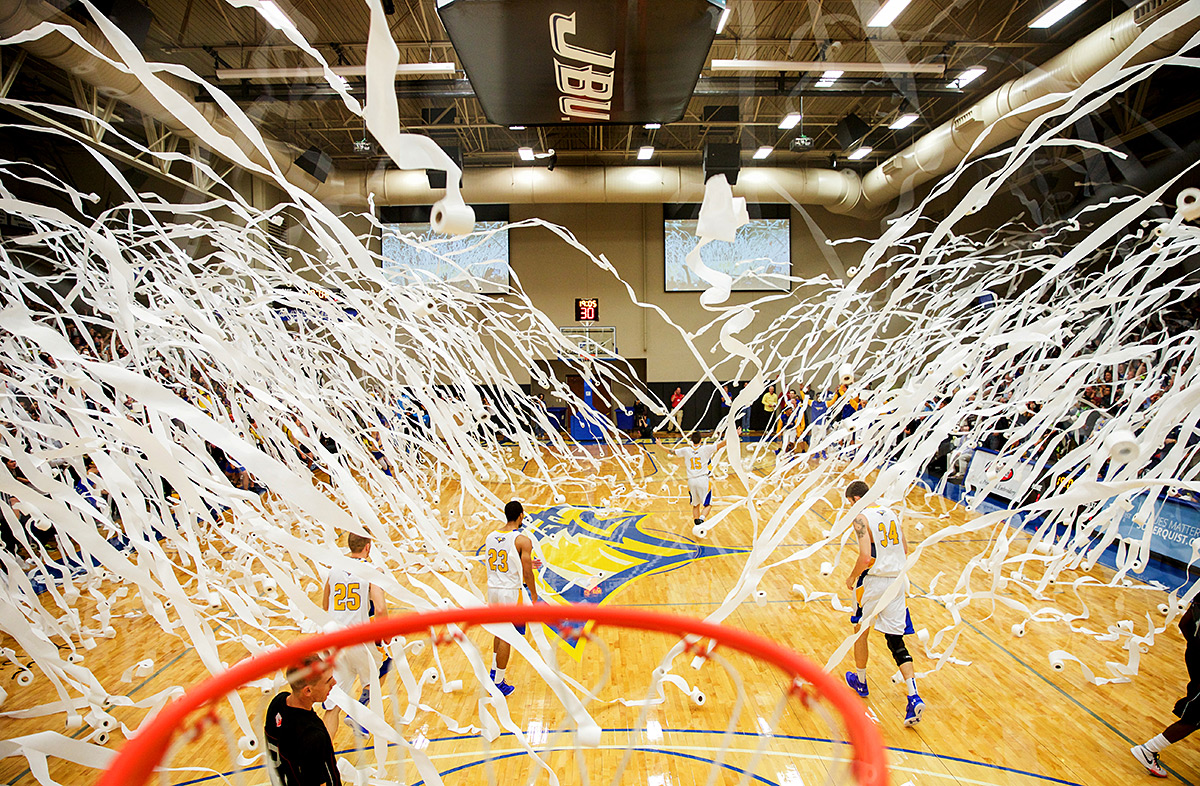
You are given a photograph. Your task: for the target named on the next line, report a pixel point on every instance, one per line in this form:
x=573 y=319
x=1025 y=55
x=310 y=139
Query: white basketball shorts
x=357 y=662
x=504 y=597
x=894 y=616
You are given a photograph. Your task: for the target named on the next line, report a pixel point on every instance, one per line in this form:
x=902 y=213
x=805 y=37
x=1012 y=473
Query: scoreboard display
x=587 y=309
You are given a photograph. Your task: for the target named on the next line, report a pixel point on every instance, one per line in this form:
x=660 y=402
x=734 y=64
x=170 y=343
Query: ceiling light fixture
x=860 y=153
x=652 y=126
x=888 y=13
x=644 y=152
x=516 y=128
x=789 y=121
x=967 y=77
x=526 y=153
x=828 y=78
x=904 y=121
x=763 y=152
x=318 y=73
x=724 y=18
x=1055 y=13
x=275 y=17
x=813 y=66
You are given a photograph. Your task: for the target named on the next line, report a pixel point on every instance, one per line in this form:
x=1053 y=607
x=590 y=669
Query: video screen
x=476 y=263
x=759 y=258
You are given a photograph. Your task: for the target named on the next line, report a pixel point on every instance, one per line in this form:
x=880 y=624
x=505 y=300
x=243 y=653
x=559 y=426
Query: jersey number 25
x=347 y=597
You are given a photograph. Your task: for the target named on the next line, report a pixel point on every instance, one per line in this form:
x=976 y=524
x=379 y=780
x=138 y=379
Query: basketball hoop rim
x=135 y=762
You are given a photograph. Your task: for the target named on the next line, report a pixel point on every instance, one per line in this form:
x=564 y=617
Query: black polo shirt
x=299 y=749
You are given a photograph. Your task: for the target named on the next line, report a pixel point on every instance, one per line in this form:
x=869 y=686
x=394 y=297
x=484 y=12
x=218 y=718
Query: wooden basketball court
x=998 y=714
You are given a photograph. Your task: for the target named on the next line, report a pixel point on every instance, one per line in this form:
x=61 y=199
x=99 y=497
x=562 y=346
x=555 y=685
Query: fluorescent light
x=516 y=128
x=828 y=78
x=724 y=18
x=319 y=73
x=813 y=66
x=904 y=121
x=967 y=77
x=644 y=152
x=790 y=121
x=413 y=68
x=888 y=13
x=652 y=126
x=763 y=152
x=861 y=153
x=1055 y=13
x=275 y=17
x=526 y=153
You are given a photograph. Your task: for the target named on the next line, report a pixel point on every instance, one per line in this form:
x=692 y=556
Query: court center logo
x=590 y=554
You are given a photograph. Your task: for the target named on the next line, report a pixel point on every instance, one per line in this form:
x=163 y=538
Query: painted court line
x=694 y=749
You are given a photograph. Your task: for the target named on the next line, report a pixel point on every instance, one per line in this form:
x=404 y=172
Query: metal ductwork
x=533 y=184
x=934 y=154
x=21 y=15
x=947 y=146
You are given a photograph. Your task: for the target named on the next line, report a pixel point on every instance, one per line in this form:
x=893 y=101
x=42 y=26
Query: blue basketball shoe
x=860 y=686
x=912 y=716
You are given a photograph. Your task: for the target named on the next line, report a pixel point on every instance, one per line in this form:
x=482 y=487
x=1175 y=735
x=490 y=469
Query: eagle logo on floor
x=589 y=554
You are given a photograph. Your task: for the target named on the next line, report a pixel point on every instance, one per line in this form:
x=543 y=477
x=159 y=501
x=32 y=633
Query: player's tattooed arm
x=860 y=527
x=862 y=530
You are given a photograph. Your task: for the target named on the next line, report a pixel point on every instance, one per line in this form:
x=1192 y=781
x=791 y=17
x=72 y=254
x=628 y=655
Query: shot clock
x=587 y=309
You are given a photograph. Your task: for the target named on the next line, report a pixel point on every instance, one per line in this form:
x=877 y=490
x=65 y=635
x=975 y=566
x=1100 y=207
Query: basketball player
x=791 y=422
x=696 y=460
x=350 y=600
x=882 y=553
x=509 y=561
x=1186 y=709
x=299 y=743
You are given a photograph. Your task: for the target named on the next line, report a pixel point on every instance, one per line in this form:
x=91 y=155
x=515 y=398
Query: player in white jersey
x=882 y=555
x=697 y=459
x=350 y=600
x=508 y=556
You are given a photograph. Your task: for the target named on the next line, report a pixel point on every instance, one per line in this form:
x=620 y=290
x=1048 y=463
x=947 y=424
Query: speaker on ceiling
x=133 y=18
x=315 y=163
x=722 y=158
x=850 y=131
x=437 y=177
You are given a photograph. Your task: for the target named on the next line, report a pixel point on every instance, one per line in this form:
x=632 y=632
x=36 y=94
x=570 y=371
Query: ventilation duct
x=935 y=153
x=948 y=145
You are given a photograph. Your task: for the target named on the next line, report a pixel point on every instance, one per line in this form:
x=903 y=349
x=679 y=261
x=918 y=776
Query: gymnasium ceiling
x=207 y=35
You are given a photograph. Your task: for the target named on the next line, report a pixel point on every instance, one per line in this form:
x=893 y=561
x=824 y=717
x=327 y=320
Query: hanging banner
x=553 y=62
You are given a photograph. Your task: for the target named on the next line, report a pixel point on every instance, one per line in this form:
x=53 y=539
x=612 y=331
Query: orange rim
x=136 y=761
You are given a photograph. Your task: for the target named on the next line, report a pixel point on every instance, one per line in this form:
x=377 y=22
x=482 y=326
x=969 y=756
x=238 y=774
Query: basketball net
x=719 y=706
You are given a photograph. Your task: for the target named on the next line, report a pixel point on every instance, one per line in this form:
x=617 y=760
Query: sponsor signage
x=1176 y=521
x=1014 y=475
x=1176 y=524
